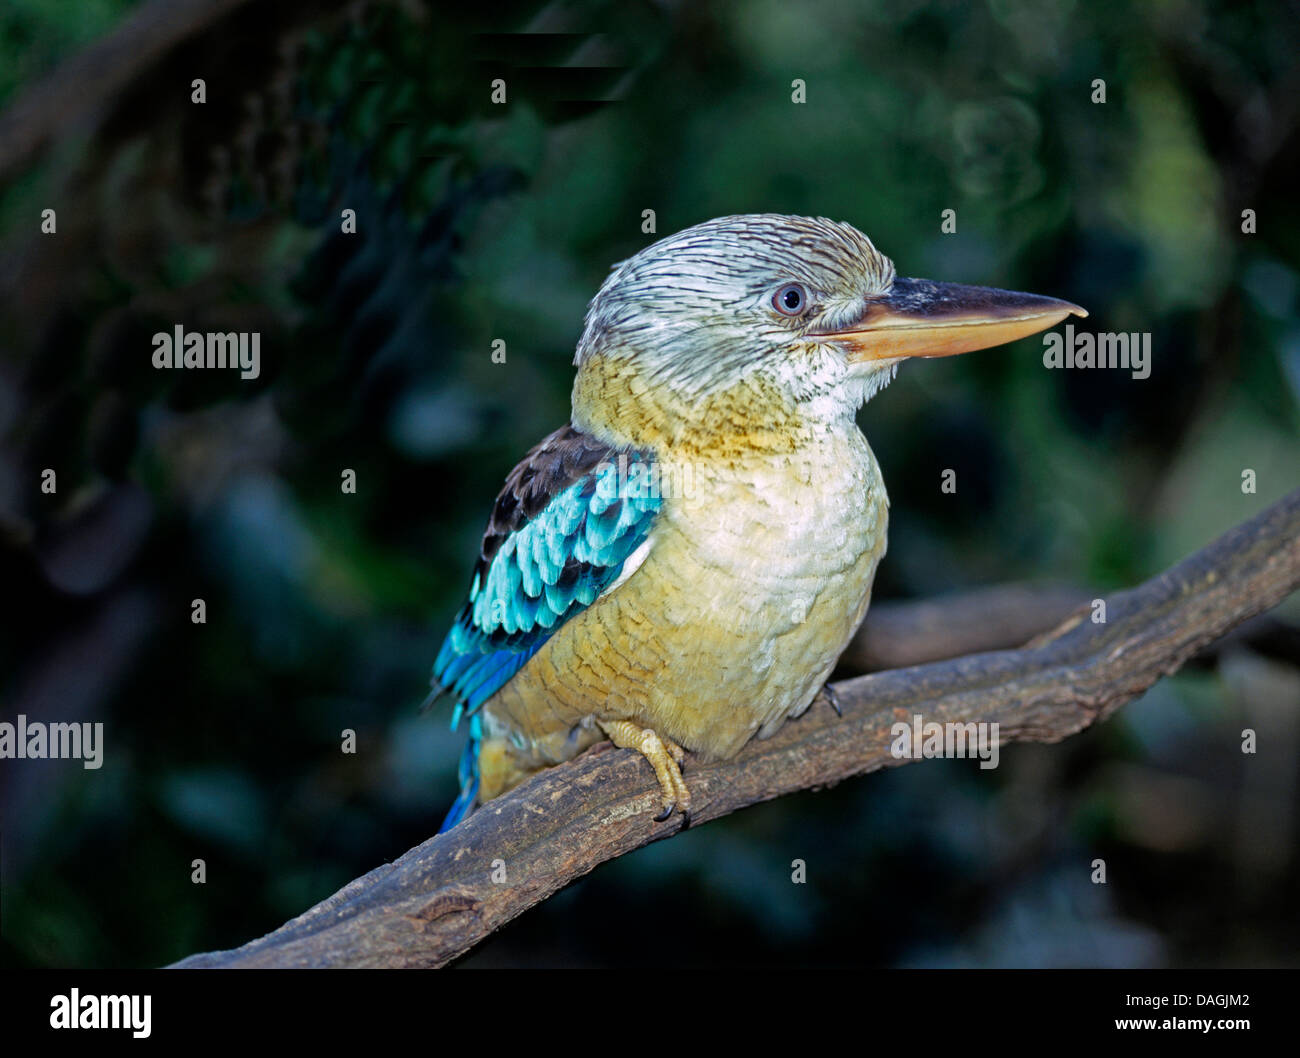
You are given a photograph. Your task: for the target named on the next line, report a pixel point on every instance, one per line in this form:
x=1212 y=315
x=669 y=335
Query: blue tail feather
x=468 y=774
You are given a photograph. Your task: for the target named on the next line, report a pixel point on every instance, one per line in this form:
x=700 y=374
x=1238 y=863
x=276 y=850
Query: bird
x=678 y=568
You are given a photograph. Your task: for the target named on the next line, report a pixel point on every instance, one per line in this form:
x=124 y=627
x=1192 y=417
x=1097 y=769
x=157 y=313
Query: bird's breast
x=762 y=574
x=793 y=524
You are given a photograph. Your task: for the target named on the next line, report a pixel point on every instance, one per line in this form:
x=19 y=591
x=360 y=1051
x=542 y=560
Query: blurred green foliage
x=478 y=223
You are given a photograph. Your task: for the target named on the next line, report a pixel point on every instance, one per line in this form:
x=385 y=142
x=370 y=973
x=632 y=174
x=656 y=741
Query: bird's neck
x=615 y=401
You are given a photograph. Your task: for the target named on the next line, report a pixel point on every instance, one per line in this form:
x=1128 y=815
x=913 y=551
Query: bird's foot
x=664 y=755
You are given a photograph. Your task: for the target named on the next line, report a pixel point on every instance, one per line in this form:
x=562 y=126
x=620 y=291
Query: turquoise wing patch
x=543 y=571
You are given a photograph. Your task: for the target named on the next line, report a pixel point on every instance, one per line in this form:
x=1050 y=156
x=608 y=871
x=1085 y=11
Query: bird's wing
x=560 y=534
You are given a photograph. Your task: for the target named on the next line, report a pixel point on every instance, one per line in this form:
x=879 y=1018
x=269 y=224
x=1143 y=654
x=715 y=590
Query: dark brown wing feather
x=548 y=469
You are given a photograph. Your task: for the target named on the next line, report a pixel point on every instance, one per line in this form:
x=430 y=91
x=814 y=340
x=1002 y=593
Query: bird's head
x=762 y=324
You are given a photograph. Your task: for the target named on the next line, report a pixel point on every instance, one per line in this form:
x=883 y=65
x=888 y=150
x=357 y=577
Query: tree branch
x=898 y=634
x=438 y=900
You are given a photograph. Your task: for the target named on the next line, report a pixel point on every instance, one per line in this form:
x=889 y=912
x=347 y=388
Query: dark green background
x=479 y=222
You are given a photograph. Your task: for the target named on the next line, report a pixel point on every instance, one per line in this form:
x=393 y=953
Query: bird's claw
x=832 y=699
x=664 y=755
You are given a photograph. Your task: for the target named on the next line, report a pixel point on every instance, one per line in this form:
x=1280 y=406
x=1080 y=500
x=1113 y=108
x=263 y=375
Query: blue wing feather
x=559 y=537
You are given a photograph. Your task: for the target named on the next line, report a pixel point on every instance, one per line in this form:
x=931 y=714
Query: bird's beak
x=918 y=317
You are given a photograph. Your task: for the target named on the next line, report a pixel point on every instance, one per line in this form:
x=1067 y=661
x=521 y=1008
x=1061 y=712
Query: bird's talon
x=663 y=754
x=832 y=699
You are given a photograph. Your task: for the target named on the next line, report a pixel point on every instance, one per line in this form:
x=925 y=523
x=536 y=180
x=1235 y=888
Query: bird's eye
x=790 y=300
